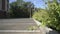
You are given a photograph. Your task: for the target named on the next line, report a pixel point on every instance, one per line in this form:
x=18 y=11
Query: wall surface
x=0 y=4
x=4 y=5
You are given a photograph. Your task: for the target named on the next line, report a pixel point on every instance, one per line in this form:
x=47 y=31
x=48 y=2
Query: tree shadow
x=52 y=32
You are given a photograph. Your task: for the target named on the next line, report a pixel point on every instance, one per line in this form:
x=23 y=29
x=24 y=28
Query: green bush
x=21 y=11
x=32 y=27
x=41 y=16
x=51 y=16
x=47 y=19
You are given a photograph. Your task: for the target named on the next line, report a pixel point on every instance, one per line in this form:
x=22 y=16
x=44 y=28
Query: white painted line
x=19 y=30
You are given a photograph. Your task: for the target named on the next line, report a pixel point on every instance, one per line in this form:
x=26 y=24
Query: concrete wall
x=0 y=4
x=6 y=5
x=3 y=8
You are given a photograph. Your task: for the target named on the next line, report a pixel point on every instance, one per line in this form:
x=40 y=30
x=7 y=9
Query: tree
x=21 y=11
x=51 y=16
x=54 y=14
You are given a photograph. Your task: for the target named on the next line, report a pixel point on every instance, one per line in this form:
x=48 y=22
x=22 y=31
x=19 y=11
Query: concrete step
x=18 y=26
x=24 y=20
x=19 y=32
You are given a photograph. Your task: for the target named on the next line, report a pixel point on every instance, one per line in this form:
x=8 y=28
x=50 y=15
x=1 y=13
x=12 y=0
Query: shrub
x=47 y=19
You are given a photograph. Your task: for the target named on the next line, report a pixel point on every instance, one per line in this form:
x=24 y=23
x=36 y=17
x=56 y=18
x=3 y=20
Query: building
x=4 y=5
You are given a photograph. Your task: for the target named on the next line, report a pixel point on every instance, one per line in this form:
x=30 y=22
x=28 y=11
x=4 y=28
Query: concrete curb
x=19 y=31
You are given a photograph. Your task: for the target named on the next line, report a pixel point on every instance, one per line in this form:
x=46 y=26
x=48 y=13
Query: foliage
x=33 y=27
x=21 y=11
x=50 y=17
x=54 y=14
x=42 y=16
